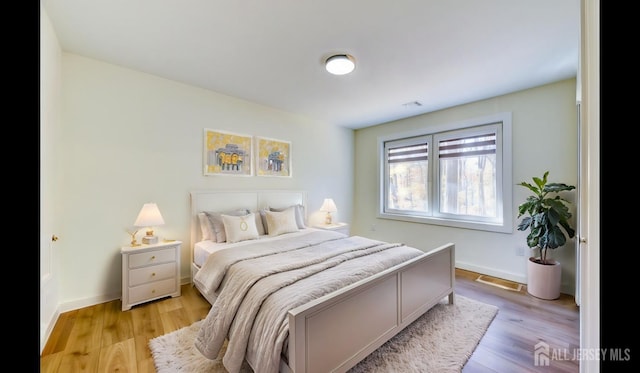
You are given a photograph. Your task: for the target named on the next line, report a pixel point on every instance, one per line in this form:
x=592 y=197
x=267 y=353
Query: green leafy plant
x=547 y=216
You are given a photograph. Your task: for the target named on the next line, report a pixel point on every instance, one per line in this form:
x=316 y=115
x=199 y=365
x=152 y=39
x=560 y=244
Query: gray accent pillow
x=206 y=227
x=218 y=226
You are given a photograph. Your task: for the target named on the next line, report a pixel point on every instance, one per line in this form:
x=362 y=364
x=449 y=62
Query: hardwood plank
x=118 y=325
x=195 y=304
x=119 y=357
x=169 y=304
x=143 y=354
x=146 y=320
x=174 y=320
x=85 y=337
x=146 y=366
x=50 y=363
x=80 y=362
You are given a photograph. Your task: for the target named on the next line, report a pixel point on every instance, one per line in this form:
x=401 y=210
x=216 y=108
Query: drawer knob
x=153 y=257
x=153 y=291
x=153 y=274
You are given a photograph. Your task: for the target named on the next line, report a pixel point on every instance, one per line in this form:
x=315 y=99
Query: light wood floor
x=522 y=321
x=102 y=338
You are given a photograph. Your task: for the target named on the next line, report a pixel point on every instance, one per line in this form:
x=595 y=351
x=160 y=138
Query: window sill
x=490 y=227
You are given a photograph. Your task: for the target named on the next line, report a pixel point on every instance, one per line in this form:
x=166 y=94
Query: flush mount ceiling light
x=340 y=64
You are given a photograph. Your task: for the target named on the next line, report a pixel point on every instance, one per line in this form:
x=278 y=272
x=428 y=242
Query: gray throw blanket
x=257 y=284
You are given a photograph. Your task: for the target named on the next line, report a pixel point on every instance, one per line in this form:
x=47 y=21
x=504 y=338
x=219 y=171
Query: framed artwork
x=227 y=153
x=273 y=157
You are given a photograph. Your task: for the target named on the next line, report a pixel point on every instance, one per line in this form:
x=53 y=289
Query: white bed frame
x=335 y=332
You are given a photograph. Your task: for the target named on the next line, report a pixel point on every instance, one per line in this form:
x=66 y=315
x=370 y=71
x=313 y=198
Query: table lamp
x=328 y=206
x=149 y=217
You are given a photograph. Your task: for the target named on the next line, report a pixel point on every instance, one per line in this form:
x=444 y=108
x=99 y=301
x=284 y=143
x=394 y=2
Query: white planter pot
x=543 y=280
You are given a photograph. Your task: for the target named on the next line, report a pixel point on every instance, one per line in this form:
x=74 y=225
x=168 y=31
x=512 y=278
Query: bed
x=323 y=316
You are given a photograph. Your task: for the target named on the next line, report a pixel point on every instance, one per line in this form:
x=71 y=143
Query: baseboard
x=500 y=283
x=565 y=288
x=45 y=330
x=87 y=302
x=515 y=277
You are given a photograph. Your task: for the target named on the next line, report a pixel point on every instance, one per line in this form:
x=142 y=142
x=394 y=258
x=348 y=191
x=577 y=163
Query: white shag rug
x=441 y=340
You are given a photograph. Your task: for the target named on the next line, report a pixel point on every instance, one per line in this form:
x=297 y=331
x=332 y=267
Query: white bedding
x=258 y=284
x=203 y=249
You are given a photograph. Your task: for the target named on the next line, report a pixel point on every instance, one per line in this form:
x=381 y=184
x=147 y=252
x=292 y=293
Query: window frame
x=504 y=157
x=408 y=141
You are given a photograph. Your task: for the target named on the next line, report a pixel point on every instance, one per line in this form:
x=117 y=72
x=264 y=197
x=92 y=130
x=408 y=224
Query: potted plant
x=547 y=220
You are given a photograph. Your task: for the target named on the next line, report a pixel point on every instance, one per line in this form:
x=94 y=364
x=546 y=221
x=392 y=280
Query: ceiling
x=434 y=52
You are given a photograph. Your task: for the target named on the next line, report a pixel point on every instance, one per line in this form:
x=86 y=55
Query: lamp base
x=149 y=240
x=327 y=219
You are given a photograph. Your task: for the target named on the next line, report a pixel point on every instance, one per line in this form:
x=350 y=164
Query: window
x=456 y=175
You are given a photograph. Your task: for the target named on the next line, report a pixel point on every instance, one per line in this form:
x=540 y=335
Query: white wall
x=545 y=137
x=129 y=138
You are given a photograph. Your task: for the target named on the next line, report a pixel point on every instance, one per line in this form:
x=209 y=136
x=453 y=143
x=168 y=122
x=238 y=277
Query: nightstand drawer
x=152 y=290
x=153 y=273
x=152 y=257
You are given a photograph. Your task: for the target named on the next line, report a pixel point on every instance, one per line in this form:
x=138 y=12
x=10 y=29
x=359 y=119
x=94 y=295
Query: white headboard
x=253 y=200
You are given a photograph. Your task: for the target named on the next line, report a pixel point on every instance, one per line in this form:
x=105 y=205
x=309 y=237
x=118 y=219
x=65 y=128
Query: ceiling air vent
x=412 y=104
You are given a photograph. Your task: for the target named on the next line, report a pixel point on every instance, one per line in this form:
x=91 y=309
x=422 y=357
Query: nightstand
x=338 y=227
x=150 y=272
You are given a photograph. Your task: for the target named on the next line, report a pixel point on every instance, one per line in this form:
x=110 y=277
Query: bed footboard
x=333 y=333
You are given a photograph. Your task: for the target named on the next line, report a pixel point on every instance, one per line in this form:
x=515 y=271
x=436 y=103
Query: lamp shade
x=340 y=64
x=328 y=206
x=149 y=216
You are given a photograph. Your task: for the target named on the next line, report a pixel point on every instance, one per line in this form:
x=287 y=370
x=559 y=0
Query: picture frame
x=273 y=157
x=227 y=153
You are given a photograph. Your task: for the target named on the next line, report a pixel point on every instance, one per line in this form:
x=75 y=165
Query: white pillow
x=299 y=214
x=206 y=228
x=281 y=222
x=240 y=228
